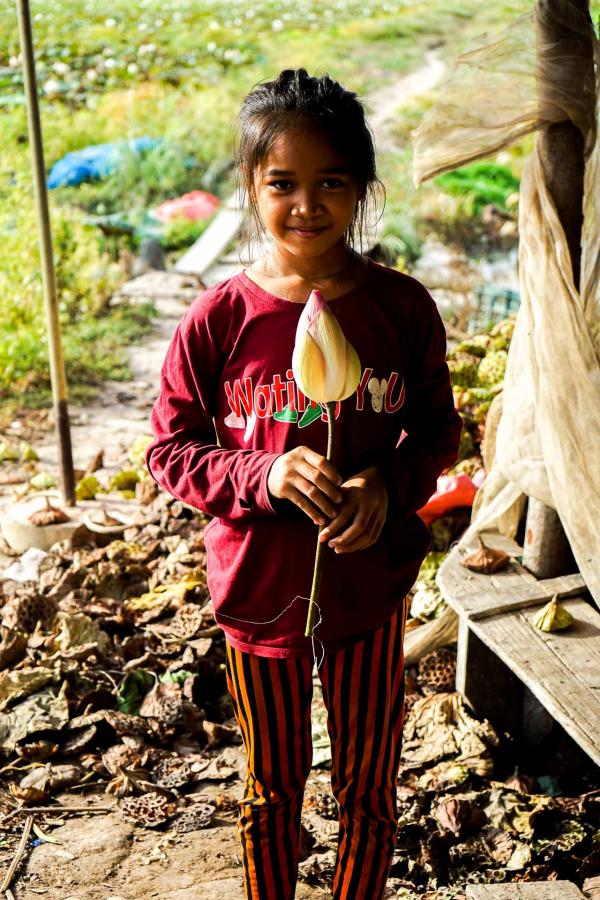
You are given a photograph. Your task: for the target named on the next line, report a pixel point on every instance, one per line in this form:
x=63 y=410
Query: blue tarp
x=95 y=162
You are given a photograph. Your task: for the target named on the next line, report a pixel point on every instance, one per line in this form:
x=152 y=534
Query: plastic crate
x=494 y=304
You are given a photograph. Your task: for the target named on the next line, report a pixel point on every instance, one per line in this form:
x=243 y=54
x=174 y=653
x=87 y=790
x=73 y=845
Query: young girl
x=236 y=438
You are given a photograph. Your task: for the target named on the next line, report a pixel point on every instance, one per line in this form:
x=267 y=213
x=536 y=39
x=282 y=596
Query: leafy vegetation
x=177 y=70
x=481 y=183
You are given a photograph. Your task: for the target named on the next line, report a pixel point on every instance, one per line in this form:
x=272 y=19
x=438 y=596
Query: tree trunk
x=546 y=549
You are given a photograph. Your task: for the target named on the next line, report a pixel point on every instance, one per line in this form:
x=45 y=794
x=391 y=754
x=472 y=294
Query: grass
x=178 y=70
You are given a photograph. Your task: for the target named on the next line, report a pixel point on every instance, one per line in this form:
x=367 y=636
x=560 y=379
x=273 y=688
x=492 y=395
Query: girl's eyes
x=285 y=185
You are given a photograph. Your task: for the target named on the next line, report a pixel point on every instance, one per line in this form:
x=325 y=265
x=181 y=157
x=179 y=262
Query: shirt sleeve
x=184 y=458
x=432 y=424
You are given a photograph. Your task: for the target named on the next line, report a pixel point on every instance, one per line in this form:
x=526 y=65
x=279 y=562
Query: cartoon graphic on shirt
x=377 y=390
x=267 y=400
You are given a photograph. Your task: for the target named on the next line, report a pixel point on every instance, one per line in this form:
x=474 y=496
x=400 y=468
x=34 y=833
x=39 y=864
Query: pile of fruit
x=477 y=367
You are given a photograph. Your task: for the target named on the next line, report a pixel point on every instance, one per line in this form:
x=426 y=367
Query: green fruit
x=481 y=393
x=468 y=466
x=137 y=451
x=125 y=480
x=492 y=368
x=27 y=453
x=466 y=444
x=43 y=481
x=7 y=452
x=87 y=488
x=481 y=410
x=500 y=343
x=477 y=345
x=463 y=371
x=504 y=329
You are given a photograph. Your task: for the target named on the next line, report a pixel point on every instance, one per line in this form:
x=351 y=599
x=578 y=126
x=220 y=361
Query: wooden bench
x=536 y=890
x=500 y=652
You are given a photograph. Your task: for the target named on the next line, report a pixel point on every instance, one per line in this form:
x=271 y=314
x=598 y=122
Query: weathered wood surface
x=537 y=890
x=561 y=668
x=476 y=596
x=212 y=243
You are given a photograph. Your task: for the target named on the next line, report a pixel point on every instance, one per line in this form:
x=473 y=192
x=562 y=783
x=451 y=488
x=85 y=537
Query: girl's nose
x=306 y=204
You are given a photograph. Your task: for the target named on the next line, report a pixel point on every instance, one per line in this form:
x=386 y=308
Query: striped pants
x=363 y=691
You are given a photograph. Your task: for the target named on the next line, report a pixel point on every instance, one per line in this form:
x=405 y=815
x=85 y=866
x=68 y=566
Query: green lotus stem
x=318 y=569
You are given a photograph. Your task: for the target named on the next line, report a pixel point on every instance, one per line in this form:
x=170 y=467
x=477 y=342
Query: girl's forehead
x=303 y=151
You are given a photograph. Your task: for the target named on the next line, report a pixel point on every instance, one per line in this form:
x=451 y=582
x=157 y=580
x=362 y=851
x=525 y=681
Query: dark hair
x=296 y=99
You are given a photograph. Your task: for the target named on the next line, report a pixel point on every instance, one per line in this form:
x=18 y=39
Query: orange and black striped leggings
x=363 y=690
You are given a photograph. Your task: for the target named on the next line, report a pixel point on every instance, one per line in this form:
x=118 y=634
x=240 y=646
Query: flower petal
x=353 y=372
x=330 y=338
x=308 y=367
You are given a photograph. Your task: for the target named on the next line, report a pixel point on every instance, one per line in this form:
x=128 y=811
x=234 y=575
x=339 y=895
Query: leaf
x=591 y=886
x=76 y=630
x=486 y=560
x=133 y=689
x=178 y=677
x=458 y=815
x=34 y=787
x=164 y=702
x=42 y=710
x=51 y=515
x=43 y=836
x=21 y=682
x=498 y=843
x=521 y=857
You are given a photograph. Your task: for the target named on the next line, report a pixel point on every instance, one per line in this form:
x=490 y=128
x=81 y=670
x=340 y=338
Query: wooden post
x=57 y=368
x=546 y=549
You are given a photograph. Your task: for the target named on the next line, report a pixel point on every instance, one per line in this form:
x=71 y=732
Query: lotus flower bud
x=552 y=617
x=325 y=365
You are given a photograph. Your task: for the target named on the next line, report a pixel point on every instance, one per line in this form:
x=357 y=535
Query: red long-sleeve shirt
x=228 y=407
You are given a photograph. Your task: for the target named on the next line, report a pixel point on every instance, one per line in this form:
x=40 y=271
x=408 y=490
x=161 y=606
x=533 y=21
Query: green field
x=177 y=71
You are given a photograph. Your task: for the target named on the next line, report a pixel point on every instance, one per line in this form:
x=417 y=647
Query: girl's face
x=305 y=194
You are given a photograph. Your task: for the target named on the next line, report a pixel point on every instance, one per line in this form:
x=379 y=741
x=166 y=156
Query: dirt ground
x=102 y=857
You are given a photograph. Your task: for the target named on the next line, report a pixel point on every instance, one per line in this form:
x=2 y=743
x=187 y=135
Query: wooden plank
x=219 y=271
x=209 y=246
x=477 y=670
x=230 y=264
x=476 y=596
x=536 y=890
x=561 y=668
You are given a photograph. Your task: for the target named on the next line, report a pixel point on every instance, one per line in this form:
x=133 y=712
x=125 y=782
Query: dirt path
x=386 y=101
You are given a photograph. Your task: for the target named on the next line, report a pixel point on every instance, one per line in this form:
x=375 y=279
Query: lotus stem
x=318 y=569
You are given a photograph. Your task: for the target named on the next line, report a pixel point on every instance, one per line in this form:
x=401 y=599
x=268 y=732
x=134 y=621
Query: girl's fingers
x=320 y=483
x=361 y=543
x=322 y=465
x=355 y=530
x=315 y=495
x=333 y=527
x=301 y=500
x=357 y=537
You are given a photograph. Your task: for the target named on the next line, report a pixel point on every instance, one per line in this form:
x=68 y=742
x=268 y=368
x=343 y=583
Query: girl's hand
x=364 y=511
x=309 y=480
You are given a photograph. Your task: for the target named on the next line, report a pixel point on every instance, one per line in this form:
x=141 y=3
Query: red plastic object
x=194 y=205
x=452 y=491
